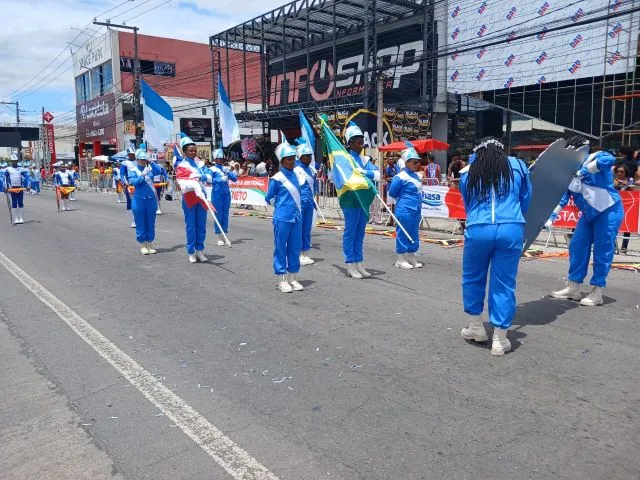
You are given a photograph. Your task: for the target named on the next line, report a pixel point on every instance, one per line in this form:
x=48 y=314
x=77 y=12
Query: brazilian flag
x=354 y=189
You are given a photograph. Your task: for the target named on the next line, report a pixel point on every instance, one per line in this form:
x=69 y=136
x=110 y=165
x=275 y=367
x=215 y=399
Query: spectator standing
x=457 y=164
x=622 y=181
x=432 y=171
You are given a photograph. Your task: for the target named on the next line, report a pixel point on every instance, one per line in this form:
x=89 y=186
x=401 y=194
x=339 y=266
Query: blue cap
x=141 y=155
x=284 y=150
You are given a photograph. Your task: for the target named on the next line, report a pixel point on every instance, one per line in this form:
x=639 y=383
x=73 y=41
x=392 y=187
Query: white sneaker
x=413 y=260
x=352 y=271
x=401 y=262
x=133 y=225
x=152 y=250
x=283 y=285
x=593 y=299
x=221 y=241
x=501 y=343
x=293 y=281
x=362 y=270
x=200 y=256
x=158 y=212
x=571 y=292
x=475 y=331
x=144 y=250
x=192 y=258
x=305 y=260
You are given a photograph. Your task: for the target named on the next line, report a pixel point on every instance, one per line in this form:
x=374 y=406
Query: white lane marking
x=236 y=461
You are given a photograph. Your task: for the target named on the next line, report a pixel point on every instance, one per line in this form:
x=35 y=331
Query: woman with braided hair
x=496 y=191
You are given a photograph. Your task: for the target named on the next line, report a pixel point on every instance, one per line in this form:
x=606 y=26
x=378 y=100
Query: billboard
x=96 y=120
x=93 y=53
x=566 y=54
x=289 y=85
x=197 y=129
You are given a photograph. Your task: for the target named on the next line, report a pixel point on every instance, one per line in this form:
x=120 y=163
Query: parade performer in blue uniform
x=496 y=191
x=119 y=185
x=602 y=213
x=355 y=219
x=307 y=173
x=124 y=167
x=16 y=178
x=191 y=175
x=220 y=193
x=64 y=179
x=36 y=177
x=75 y=176
x=159 y=178
x=3 y=168
x=406 y=189
x=285 y=188
x=143 y=202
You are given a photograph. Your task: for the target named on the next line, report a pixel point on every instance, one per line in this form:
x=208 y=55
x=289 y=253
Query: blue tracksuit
x=307 y=175
x=144 y=203
x=406 y=188
x=602 y=214
x=35 y=181
x=494 y=238
x=285 y=189
x=355 y=219
x=124 y=167
x=16 y=178
x=195 y=218
x=160 y=176
x=221 y=195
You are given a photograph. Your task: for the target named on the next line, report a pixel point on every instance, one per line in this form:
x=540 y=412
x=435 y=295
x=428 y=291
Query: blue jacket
x=124 y=166
x=220 y=180
x=370 y=170
x=406 y=188
x=161 y=177
x=142 y=179
x=16 y=177
x=510 y=209
x=307 y=174
x=58 y=178
x=287 y=207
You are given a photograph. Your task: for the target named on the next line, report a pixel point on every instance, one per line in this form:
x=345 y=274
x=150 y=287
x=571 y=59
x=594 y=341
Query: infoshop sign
x=400 y=51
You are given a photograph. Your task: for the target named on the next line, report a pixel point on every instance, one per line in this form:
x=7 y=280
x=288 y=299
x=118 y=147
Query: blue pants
x=287 y=246
x=222 y=204
x=144 y=214
x=601 y=233
x=159 y=193
x=498 y=246
x=195 y=219
x=128 y=197
x=355 y=223
x=35 y=186
x=17 y=199
x=410 y=220
x=307 y=225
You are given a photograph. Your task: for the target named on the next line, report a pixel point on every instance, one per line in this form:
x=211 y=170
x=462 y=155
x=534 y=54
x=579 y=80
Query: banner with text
x=439 y=201
x=249 y=191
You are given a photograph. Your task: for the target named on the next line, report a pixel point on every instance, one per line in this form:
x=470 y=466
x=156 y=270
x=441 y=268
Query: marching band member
x=143 y=202
x=75 y=176
x=18 y=178
x=64 y=178
x=118 y=184
x=602 y=213
x=355 y=219
x=161 y=177
x=220 y=193
x=3 y=168
x=406 y=188
x=124 y=167
x=496 y=191
x=308 y=174
x=36 y=177
x=285 y=188
x=195 y=217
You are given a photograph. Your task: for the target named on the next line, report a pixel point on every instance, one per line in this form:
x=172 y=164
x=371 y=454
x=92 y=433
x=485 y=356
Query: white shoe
x=192 y=258
x=221 y=241
x=501 y=343
x=158 y=212
x=571 y=292
x=20 y=217
x=152 y=250
x=352 y=271
x=14 y=213
x=283 y=285
x=413 y=260
x=593 y=299
x=200 y=256
x=133 y=221
x=293 y=281
x=362 y=270
x=133 y=225
x=305 y=260
x=475 y=331
x=144 y=250
x=401 y=262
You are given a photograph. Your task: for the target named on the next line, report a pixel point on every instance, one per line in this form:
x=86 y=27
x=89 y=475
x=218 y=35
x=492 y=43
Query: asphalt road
x=350 y=379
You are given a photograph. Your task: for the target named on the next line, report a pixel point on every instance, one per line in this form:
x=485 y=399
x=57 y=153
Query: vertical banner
x=51 y=142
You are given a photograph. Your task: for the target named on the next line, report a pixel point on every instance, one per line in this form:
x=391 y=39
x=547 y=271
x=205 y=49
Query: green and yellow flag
x=354 y=189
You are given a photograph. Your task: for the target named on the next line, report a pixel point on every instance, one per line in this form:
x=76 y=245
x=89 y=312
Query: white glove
x=226 y=169
x=224 y=178
x=146 y=171
x=592 y=167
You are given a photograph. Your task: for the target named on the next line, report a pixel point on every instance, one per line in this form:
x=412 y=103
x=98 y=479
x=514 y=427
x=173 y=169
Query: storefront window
x=101 y=79
x=82 y=88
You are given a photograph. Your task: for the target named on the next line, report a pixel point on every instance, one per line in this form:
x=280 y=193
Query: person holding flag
x=406 y=189
x=65 y=185
x=127 y=164
x=307 y=174
x=160 y=180
x=220 y=193
x=143 y=201
x=285 y=189
x=189 y=174
x=16 y=180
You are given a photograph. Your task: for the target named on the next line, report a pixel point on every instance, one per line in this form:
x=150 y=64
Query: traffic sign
x=47 y=117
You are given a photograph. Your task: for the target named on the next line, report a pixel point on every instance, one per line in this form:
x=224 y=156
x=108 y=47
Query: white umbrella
x=101 y=158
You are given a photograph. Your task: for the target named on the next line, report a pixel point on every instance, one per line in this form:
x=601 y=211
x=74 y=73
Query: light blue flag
x=308 y=134
x=158 y=117
x=228 y=123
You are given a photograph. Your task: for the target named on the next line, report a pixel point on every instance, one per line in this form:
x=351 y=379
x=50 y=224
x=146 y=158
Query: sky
x=34 y=46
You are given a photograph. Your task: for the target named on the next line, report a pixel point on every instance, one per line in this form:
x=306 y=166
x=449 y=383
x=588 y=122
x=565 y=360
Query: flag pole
x=319 y=211
x=215 y=219
x=395 y=219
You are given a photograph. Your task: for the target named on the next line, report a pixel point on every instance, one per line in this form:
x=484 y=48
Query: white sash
x=304 y=176
x=216 y=168
x=408 y=178
x=293 y=191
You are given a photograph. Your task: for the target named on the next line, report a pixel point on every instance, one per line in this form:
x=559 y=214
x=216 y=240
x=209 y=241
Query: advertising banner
x=197 y=129
x=51 y=142
x=96 y=119
x=93 y=53
x=249 y=191
x=440 y=201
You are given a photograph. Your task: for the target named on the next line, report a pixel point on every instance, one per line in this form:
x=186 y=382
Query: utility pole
x=137 y=110
x=17 y=104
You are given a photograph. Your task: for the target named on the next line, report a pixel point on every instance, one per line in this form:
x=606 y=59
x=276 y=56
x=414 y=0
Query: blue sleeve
x=135 y=179
x=165 y=175
x=232 y=176
x=25 y=179
x=56 y=179
x=271 y=191
x=604 y=160
x=525 y=188
x=370 y=171
x=123 y=173
x=462 y=186
x=396 y=187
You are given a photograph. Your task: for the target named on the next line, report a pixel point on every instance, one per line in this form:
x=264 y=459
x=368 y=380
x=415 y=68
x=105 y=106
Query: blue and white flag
x=228 y=123
x=308 y=134
x=158 y=117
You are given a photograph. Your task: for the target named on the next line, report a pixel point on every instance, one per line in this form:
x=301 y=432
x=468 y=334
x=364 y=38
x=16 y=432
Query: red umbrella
x=529 y=147
x=421 y=146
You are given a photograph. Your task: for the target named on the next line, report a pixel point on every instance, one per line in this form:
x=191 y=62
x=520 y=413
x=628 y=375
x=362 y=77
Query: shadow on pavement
x=171 y=249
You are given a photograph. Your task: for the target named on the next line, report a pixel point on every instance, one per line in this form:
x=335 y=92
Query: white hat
x=409 y=154
x=141 y=155
x=14 y=157
x=284 y=150
x=352 y=130
x=184 y=141
x=303 y=149
x=218 y=153
x=131 y=150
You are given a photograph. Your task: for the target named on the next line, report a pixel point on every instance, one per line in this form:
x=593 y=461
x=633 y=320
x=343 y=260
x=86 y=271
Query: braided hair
x=577 y=141
x=490 y=171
